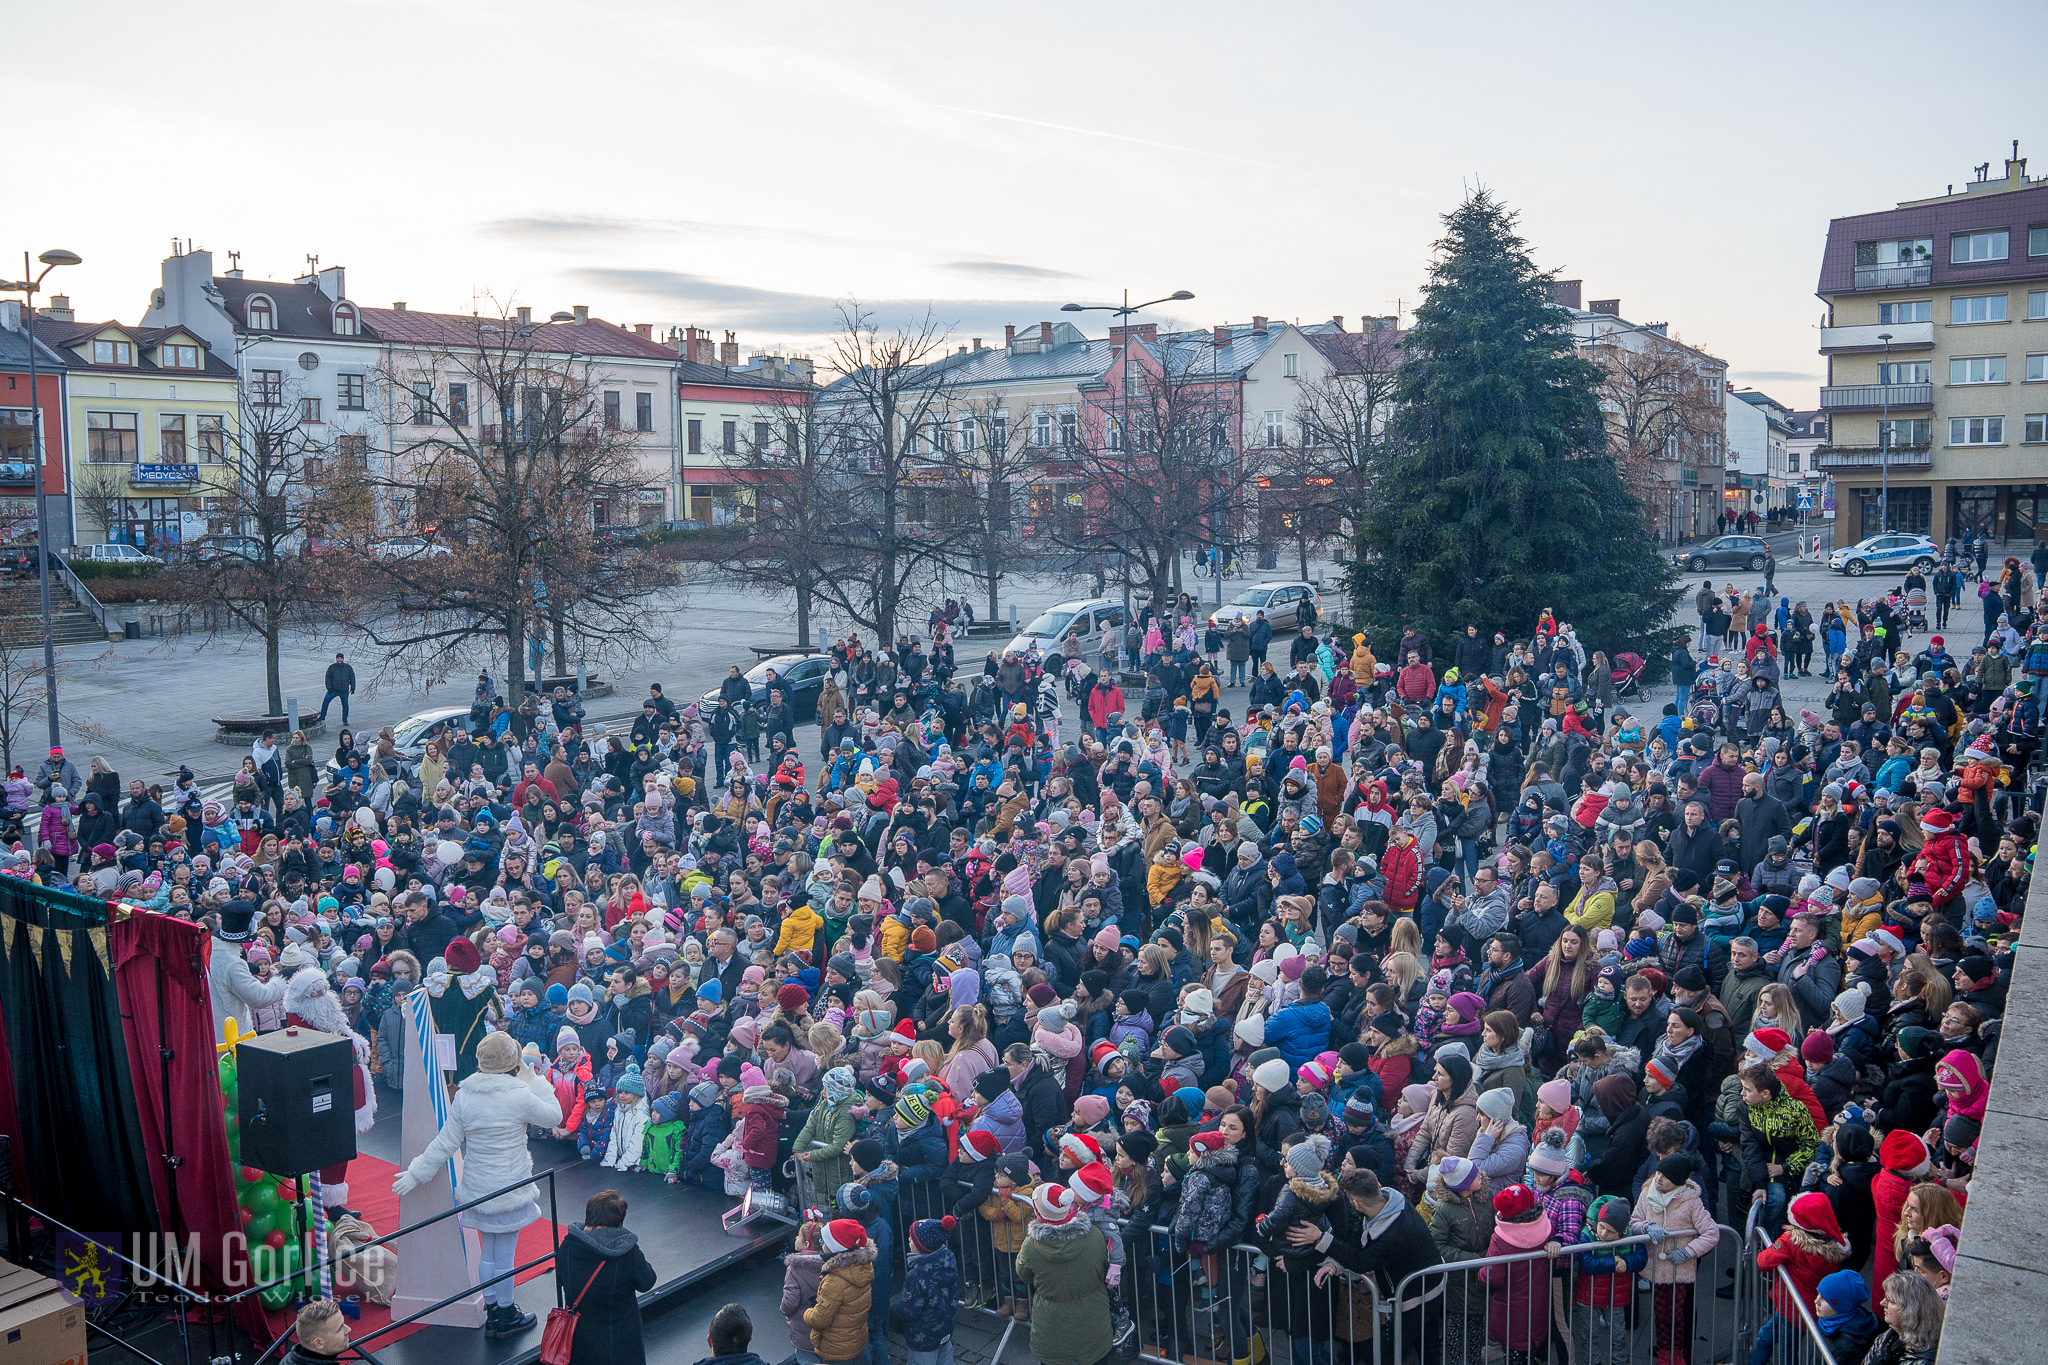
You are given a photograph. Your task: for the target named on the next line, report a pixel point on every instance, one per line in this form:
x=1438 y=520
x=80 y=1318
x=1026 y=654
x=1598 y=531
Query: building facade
x=18 y=459
x=1936 y=340
x=1756 y=473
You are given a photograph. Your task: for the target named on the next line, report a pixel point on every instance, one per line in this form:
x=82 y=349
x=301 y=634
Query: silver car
x=1280 y=601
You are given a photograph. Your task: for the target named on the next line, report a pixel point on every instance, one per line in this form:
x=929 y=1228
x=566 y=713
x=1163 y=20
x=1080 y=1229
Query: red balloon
x=250 y=1175
x=247 y=1215
x=275 y=1241
x=287 y=1191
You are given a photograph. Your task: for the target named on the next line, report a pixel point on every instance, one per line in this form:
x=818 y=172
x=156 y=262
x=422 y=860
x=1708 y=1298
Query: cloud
x=1108 y=136
x=729 y=304
x=1009 y=270
x=1779 y=376
x=578 y=231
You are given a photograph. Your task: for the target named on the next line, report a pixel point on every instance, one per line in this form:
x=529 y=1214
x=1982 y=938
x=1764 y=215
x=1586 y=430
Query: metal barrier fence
x=1789 y=1341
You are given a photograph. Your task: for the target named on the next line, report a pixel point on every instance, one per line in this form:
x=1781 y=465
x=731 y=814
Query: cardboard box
x=41 y=1322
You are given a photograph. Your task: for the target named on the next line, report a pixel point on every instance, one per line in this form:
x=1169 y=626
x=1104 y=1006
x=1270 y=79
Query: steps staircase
x=21 y=618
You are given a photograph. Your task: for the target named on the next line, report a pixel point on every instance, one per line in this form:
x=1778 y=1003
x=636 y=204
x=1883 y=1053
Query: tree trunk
x=270 y=662
x=561 y=643
x=1301 y=543
x=994 y=577
x=803 y=616
x=515 y=654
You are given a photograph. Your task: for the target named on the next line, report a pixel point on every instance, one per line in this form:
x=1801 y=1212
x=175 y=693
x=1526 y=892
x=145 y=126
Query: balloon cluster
x=269 y=1210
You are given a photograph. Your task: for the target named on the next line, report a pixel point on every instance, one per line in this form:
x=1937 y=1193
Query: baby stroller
x=1916 y=610
x=1627 y=674
x=1703 y=707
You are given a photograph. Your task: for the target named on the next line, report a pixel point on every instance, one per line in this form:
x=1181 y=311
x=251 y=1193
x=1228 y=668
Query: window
x=761 y=435
x=267 y=386
x=1908 y=431
x=643 y=412
x=1791 y=462
x=170 y=437
x=213 y=439
x=179 y=357
x=999 y=432
x=1906 y=372
x=1967 y=248
x=2037 y=304
x=1290 y=365
x=1977 y=308
x=1114 y=430
x=729 y=442
x=348 y=394
x=1897 y=251
x=111 y=437
x=345 y=320
x=260 y=313
x=1276 y=428
x=1912 y=310
x=309 y=410
x=113 y=353
x=422 y=403
x=1041 y=428
x=1977 y=369
x=2037 y=241
x=1070 y=428
x=1976 y=431
x=2037 y=427
x=458 y=405
x=611 y=409
x=353 y=448
x=968 y=434
x=2037 y=368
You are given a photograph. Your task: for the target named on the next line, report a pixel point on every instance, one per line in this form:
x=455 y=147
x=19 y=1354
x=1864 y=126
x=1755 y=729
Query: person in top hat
x=236 y=991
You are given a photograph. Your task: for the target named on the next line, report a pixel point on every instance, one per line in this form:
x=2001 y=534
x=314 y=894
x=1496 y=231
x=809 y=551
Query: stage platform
x=679 y=1232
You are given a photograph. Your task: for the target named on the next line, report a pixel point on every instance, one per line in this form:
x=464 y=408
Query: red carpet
x=369 y=1193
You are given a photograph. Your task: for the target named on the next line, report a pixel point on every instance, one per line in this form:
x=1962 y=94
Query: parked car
x=1051 y=626
x=212 y=547
x=407 y=547
x=1280 y=601
x=110 y=554
x=410 y=736
x=1729 y=552
x=1895 y=550
x=801 y=677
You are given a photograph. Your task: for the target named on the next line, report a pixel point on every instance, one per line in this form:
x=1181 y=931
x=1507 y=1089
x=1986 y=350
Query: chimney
x=582 y=312
x=2016 y=167
x=729 y=350
x=1337 y=321
x=1565 y=293
x=1258 y=323
x=977 y=343
x=1222 y=334
x=1009 y=334
x=235 y=274
x=333 y=282
x=398 y=307
x=644 y=330
x=1660 y=328
x=1045 y=334
x=1611 y=307
x=59 y=309
x=525 y=316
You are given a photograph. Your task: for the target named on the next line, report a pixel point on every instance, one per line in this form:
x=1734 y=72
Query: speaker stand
x=439 y=1260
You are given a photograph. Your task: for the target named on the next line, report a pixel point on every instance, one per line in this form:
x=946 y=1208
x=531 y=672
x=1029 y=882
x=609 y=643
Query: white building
x=1758 y=426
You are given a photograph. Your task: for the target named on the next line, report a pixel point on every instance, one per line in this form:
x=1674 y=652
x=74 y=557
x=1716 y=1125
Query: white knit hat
x=1272 y=1075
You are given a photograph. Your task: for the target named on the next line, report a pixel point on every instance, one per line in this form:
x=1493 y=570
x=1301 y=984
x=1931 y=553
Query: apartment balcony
x=1873 y=397
x=1870 y=459
x=1905 y=336
x=1894 y=276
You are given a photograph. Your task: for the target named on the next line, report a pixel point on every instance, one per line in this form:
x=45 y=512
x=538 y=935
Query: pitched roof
x=301 y=310
x=595 y=337
x=1360 y=352
x=145 y=339
x=14 y=351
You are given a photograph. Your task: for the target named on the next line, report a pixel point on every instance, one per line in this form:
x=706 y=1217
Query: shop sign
x=144 y=474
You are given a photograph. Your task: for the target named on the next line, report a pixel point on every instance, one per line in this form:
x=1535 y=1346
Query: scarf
x=1678 y=1056
x=1658 y=1203
x=1489 y=1060
x=1568 y=1120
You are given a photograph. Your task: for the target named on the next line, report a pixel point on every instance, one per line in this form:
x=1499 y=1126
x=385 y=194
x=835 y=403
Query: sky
x=755 y=168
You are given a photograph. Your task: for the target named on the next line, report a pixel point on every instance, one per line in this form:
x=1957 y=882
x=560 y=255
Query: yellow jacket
x=799 y=929
x=1591 y=911
x=893 y=939
x=1006 y=1218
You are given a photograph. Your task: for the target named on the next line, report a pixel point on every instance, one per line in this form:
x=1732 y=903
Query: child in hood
x=1811 y=1247
x=628 y=1140
x=594 y=1134
x=1604 y=1289
x=1306 y=1198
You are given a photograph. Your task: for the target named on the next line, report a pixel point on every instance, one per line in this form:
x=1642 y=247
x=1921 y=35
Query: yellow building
x=152 y=414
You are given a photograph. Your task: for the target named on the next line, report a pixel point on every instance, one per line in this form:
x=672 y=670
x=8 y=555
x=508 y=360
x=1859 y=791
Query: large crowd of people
x=1473 y=952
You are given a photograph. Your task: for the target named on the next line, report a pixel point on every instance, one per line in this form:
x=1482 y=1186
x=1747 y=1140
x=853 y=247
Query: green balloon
x=277 y=1296
x=294 y=1258
x=260 y=1227
x=261 y=1198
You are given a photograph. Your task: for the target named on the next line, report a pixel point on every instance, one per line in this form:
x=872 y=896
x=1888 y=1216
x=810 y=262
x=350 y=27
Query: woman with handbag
x=601 y=1267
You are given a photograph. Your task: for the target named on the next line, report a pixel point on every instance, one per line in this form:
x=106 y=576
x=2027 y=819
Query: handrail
x=80 y=593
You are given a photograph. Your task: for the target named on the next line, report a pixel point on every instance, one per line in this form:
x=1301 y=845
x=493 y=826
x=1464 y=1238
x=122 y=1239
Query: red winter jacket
x=1402 y=868
x=763 y=1119
x=569 y=1092
x=1416 y=683
x=1793 y=1077
x=1807 y=1256
x=1721 y=785
x=1888 y=1193
x=1944 y=864
x=1103 y=703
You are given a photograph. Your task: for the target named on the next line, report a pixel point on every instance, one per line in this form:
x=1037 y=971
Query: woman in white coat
x=487 y=1123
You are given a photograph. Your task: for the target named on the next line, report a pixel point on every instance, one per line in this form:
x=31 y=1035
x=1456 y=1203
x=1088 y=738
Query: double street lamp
x=1884 y=436
x=1124 y=311
x=28 y=286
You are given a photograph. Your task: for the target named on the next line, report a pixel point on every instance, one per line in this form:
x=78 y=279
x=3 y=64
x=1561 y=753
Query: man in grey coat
x=1813 y=973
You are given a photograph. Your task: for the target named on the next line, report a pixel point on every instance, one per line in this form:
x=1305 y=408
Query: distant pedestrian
x=341 y=682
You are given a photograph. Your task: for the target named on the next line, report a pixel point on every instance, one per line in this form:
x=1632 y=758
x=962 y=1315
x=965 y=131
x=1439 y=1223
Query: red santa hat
x=1902 y=1151
x=1091 y=1183
x=1812 y=1213
x=1081 y=1147
x=461 y=956
x=1937 y=822
x=844 y=1234
x=1054 y=1205
x=980 y=1146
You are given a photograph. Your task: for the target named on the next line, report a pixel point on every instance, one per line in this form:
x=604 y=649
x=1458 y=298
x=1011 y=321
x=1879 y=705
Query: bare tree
x=904 y=483
x=287 y=486
x=504 y=451
x=1662 y=410
x=1158 y=463
x=799 y=502
x=995 y=452
x=101 y=492
x=21 y=694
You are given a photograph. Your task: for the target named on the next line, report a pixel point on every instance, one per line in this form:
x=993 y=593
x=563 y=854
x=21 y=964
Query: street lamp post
x=1884 y=436
x=28 y=286
x=1124 y=311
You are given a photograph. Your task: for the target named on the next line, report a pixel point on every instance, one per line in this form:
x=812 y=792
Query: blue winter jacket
x=1300 y=1031
x=931 y=1294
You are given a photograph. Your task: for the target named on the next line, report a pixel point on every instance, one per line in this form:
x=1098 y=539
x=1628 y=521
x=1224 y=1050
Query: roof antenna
x=312 y=265
x=234 y=260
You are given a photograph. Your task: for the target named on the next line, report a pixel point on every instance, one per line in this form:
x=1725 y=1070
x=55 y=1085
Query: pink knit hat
x=1108 y=937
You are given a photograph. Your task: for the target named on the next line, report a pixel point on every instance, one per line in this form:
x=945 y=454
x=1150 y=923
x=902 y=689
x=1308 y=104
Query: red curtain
x=160 y=975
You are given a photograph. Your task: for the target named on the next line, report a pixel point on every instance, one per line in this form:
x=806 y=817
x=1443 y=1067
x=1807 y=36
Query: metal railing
x=1791 y=1343
x=1877 y=396
x=80 y=593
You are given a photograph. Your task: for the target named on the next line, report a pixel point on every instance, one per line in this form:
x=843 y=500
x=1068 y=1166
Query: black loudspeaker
x=297 y=1110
